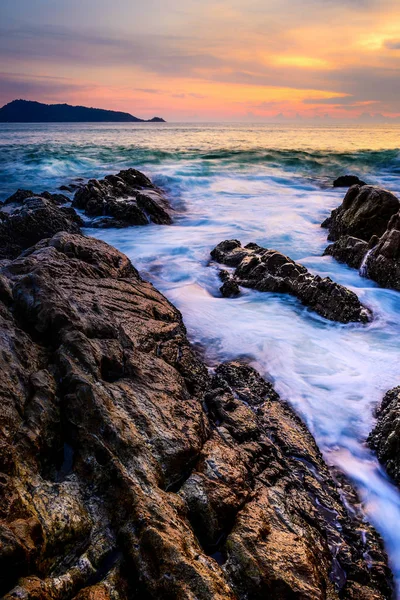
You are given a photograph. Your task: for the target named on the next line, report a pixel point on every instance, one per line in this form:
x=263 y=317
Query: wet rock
x=18 y=199
x=230 y=289
x=128 y=198
x=383 y=261
x=349 y=250
x=385 y=438
x=348 y=181
x=263 y=503
x=270 y=271
x=28 y=219
x=365 y=212
x=126 y=471
x=379 y=259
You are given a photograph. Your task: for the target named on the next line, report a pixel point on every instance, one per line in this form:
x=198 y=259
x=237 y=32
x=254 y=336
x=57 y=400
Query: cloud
x=205 y=50
x=28 y=87
x=148 y=91
x=392 y=44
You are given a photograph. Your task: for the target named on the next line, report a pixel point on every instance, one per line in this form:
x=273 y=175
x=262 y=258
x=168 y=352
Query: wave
x=40 y=163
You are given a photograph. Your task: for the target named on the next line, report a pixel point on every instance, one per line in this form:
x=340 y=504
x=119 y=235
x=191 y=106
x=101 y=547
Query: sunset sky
x=205 y=60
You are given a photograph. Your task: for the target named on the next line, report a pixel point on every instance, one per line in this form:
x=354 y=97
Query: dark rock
x=349 y=250
x=378 y=260
x=28 y=219
x=270 y=271
x=21 y=195
x=58 y=199
x=365 y=212
x=348 y=181
x=383 y=261
x=229 y=288
x=385 y=438
x=127 y=472
x=128 y=198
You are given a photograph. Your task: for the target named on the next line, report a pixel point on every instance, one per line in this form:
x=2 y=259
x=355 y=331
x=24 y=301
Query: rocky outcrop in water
x=128 y=198
x=270 y=271
x=127 y=472
x=385 y=438
x=25 y=219
x=365 y=211
x=348 y=181
x=377 y=257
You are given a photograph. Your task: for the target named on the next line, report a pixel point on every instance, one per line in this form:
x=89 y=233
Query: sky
x=203 y=60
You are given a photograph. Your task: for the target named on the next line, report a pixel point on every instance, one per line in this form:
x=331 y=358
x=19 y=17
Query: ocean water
x=269 y=184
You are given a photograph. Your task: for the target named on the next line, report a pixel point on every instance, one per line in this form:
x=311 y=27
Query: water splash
x=364 y=265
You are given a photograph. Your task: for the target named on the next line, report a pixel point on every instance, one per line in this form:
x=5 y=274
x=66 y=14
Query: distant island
x=27 y=111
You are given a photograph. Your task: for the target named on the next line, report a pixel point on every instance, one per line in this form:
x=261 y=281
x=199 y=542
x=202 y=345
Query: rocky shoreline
x=127 y=468
x=365 y=229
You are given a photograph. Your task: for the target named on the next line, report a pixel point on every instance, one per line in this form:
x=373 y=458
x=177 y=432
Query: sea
x=270 y=184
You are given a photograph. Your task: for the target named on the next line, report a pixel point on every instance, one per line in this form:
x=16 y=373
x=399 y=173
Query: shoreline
x=240 y=427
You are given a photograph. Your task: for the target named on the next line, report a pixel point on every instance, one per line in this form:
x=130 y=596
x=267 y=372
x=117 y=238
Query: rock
x=18 y=199
x=126 y=471
x=28 y=219
x=385 y=438
x=348 y=181
x=270 y=271
x=128 y=198
x=263 y=503
x=229 y=288
x=349 y=250
x=383 y=261
x=378 y=260
x=365 y=212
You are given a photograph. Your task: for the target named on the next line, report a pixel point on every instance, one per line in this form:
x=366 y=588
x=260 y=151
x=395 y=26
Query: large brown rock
x=270 y=271
x=126 y=472
x=365 y=211
x=385 y=438
x=128 y=198
x=263 y=502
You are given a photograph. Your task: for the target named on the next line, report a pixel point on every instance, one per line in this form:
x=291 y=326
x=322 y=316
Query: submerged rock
x=26 y=219
x=365 y=212
x=348 y=181
x=385 y=438
x=128 y=198
x=270 y=271
x=127 y=472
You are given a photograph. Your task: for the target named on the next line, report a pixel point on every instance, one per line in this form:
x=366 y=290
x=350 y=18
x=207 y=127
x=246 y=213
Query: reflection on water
x=267 y=185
